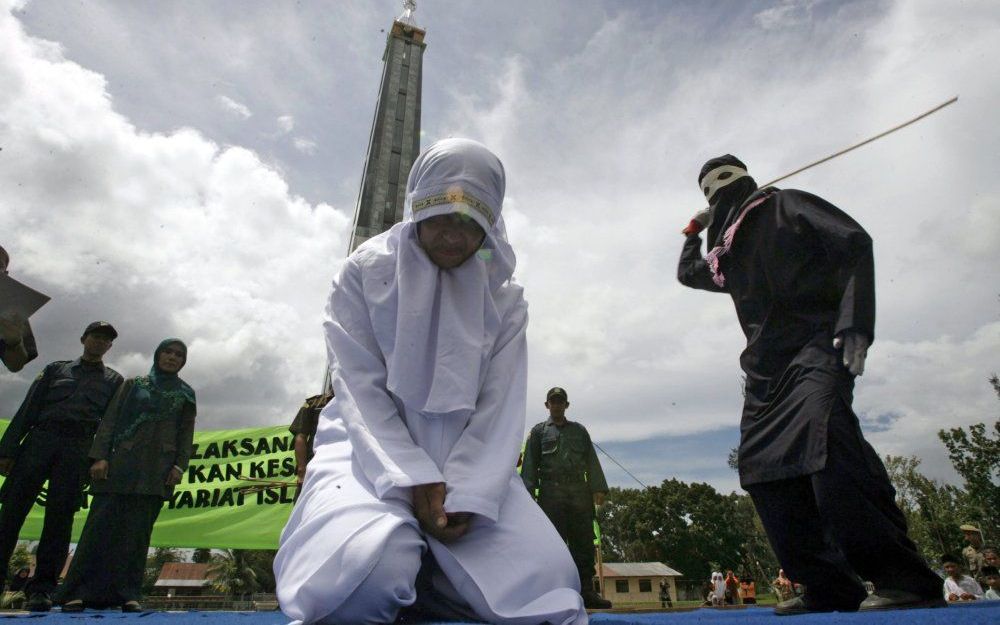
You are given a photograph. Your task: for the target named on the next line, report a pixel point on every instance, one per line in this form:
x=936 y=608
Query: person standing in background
x=562 y=471
x=304 y=429
x=48 y=439
x=139 y=454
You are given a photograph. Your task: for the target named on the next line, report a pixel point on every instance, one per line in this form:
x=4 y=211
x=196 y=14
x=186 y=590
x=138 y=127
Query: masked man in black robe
x=801 y=274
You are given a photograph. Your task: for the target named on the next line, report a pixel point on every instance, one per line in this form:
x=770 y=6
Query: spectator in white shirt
x=958 y=586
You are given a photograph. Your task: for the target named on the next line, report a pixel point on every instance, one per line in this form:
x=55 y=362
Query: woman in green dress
x=140 y=453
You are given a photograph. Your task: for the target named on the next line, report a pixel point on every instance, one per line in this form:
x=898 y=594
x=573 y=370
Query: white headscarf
x=447 y=320
x=719 y=582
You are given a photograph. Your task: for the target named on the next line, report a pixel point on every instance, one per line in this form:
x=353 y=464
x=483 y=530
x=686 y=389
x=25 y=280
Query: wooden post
x=600 y=570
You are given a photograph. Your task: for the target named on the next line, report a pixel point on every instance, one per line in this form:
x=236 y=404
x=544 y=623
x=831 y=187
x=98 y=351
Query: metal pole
x=600 y=567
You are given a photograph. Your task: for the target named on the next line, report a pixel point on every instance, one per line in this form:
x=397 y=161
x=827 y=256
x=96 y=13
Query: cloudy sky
x=191 y=169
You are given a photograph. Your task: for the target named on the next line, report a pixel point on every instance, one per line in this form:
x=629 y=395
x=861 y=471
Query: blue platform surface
x=978 y=613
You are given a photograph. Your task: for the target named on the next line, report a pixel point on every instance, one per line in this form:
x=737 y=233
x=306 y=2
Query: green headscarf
x=154 y=397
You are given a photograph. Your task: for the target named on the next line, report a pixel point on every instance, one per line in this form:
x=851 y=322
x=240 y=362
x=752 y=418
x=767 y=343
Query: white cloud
x=603 y=173
x=232 y=106
x=164 y=235
x=306 y=146
x=602 y=115
x=784 y=14
x=286 y=123
x=932 y=384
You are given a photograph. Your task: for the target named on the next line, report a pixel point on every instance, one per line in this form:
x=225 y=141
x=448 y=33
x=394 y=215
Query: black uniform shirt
x=70 y=392
x=78 y=391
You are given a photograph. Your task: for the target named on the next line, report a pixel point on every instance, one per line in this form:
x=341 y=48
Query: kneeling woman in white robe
x=429 y=373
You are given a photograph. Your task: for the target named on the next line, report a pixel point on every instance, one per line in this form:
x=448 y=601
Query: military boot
x=39 y=602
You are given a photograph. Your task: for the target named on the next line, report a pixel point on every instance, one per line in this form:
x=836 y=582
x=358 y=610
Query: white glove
x=855 y=347
x=701 y=220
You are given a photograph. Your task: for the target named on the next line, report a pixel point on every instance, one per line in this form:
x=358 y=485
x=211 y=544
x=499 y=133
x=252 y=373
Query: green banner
x=236 y=494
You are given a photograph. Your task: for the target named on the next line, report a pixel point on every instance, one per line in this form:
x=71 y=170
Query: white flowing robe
x=352 y=546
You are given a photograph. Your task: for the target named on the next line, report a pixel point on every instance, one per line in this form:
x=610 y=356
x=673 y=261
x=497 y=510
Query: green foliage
x=686 y=526
x=201 y=556
x=975 y=454
x=19 y=559
x=154 y=563
x=933 y=511
x=233 y=572
x=263 y=563
x=242 y=572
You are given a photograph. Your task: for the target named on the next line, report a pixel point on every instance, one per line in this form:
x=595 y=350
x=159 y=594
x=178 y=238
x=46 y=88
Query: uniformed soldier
x=563 y=474
x=304 y=429
x=973 y=552
x=48 y=439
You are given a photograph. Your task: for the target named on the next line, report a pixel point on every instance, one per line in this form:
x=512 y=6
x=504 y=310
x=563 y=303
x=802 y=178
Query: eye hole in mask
x=725 y=175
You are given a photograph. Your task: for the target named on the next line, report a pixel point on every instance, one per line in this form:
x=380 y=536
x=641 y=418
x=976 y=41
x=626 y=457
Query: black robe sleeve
x=849 y=249
x=26 y=415
x=692 y=270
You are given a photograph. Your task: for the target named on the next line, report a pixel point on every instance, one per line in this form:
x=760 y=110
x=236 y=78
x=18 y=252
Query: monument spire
x=395 y=136
x=409 y=7
x=394 y=142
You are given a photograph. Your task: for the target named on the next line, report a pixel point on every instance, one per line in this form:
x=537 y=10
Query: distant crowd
x=973 y=576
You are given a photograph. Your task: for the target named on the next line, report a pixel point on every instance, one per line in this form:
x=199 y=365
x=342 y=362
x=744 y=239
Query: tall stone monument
x=395 y=136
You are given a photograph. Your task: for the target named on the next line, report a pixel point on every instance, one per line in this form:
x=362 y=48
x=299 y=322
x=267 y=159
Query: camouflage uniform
x=562 y=472
x=307 y=419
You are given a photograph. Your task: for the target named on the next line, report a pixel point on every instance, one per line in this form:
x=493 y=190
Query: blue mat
x=979 y=613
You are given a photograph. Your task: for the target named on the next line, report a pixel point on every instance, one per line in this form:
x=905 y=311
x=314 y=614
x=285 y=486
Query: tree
x=202 y=556
x=234 y=573
x=154 y=564
x=687 y=526
x=933 y=511
x=20 y=558
x=262 y=561
x=758 y=559
x=975 y=454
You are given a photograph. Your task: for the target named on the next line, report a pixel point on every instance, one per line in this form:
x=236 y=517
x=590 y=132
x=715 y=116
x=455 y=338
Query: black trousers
x=573 y=518
x=836 y=527
x=63 y=462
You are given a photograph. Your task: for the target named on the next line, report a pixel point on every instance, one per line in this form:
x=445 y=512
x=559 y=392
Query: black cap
x=101 y=327
x=554 y=391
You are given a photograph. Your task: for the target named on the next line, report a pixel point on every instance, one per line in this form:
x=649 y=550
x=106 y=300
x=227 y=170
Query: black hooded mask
x=728 y=198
